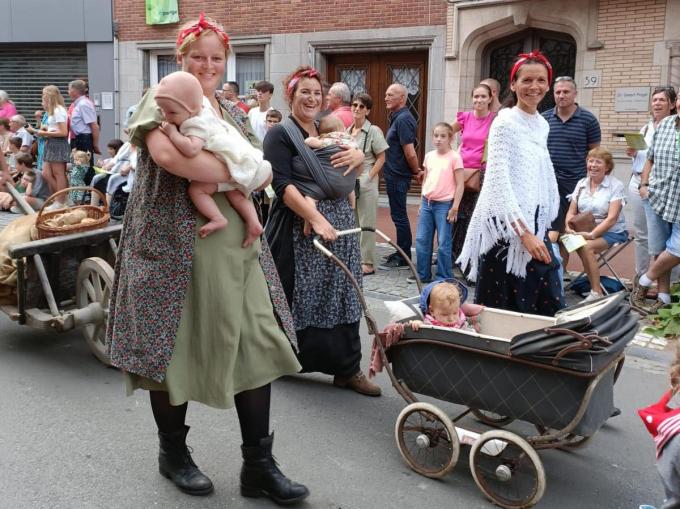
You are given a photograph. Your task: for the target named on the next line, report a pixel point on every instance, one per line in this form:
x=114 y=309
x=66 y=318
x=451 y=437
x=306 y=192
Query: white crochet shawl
x=519 y=180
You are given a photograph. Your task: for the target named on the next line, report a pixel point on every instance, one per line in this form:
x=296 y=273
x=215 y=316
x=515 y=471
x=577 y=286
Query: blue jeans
x=432 y=218
x=397 y=188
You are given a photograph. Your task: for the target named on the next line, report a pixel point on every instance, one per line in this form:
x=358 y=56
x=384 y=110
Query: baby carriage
x=556 y=373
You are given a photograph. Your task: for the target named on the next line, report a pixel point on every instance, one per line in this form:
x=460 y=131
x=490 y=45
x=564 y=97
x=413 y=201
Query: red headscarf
x=307 y=73
x=198 y=27
x=534 y=56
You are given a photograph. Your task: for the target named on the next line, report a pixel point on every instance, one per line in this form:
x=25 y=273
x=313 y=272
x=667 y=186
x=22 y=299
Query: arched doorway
x=499 y=56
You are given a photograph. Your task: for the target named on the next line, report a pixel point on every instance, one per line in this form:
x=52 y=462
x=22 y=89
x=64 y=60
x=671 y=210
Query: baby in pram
x=441 y=305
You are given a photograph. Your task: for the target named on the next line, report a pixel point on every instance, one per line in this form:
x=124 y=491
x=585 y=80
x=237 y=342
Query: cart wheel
x=507 y=469
x=427 y=439
x=491 y=418
x=94 y=283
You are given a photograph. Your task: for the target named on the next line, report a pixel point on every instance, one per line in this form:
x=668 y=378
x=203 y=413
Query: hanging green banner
x=161 y=12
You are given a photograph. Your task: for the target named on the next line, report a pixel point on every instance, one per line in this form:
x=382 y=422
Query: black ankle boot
x=261 y=477
x=175 y=463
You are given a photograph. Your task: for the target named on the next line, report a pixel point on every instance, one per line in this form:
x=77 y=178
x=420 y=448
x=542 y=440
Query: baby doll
x=192 y=125
x=331 y=132
x=443 y=308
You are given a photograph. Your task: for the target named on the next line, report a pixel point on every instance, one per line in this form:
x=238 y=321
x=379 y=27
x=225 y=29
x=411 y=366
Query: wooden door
x=560 y=49
x=374 y=72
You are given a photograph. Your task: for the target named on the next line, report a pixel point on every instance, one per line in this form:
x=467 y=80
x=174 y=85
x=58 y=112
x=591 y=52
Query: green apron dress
x=201 y=303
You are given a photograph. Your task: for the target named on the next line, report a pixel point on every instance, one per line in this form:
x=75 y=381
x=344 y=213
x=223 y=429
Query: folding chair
x=603 y=259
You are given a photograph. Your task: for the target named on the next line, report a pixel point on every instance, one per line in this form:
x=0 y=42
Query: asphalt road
x=69 y=438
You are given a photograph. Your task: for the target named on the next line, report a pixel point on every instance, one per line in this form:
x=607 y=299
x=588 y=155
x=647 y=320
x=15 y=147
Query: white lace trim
x=519 y=180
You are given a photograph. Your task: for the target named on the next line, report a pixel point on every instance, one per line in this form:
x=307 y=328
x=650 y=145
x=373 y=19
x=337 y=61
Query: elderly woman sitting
x=603 y=196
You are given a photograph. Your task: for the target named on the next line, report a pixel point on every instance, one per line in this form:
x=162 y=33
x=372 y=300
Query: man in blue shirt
x=573 y=132
x=401 y=164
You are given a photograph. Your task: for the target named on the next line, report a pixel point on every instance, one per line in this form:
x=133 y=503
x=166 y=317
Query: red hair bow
x=533 y=56
x=309 y=73
x=198 y=27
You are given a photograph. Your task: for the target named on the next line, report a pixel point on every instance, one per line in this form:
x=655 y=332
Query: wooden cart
x=65 y=282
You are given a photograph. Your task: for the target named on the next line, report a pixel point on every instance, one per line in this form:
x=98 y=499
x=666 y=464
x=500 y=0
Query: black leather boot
x=175 y=463
x=261 y=477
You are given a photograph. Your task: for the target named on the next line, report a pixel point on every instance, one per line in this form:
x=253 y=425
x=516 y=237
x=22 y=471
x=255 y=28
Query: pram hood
x=585 y=344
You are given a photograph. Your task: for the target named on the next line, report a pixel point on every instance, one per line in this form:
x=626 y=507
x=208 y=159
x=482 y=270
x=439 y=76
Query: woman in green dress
x=192 y=319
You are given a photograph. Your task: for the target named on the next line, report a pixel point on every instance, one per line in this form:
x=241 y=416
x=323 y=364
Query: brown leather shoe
x=638 y=297
x=358 y=383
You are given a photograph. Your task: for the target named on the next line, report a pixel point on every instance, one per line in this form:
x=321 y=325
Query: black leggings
x=252 y=407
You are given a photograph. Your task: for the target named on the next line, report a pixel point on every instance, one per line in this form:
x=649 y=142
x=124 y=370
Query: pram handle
x=341 y=233
x=370 y=321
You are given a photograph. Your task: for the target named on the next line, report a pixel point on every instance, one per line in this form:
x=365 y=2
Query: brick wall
x=629 y=30
x=245 y=17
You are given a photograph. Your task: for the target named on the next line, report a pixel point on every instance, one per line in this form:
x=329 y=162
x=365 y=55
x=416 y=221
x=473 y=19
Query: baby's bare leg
x=201 y=194
x=246 y=210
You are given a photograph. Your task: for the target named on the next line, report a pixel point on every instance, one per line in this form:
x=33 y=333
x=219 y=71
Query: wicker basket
x=100 y=214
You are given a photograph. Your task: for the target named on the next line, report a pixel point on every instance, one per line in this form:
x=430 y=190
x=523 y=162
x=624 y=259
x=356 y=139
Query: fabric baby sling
x=313 y=173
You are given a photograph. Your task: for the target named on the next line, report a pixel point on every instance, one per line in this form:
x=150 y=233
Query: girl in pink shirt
x=442 y=192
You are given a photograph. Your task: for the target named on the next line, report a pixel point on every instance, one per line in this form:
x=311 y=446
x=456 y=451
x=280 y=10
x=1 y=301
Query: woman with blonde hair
x=192 y=319
x=57 y=151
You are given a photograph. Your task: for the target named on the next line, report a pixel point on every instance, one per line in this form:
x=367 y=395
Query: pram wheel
x=491 y=418
x=507 y=469
x=427 y=439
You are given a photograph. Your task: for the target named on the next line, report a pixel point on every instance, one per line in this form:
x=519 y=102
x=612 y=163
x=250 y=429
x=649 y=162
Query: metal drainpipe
x=116 y=91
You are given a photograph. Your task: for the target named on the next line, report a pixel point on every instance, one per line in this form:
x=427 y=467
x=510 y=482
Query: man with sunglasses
x=573 y=132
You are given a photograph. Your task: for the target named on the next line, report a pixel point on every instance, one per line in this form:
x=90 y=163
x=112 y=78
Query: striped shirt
x=569 y=142
x=664 y=181
x=666 y=430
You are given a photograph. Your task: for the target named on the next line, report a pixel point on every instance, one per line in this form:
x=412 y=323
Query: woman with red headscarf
x=325 y=307
x=192 y=319
x=506 y=244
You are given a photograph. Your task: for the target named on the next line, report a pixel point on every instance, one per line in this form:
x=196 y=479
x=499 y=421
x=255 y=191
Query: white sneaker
x=592 y=296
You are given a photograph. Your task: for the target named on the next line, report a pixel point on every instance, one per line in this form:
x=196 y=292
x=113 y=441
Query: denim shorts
x=615 y=237
x=661 y=235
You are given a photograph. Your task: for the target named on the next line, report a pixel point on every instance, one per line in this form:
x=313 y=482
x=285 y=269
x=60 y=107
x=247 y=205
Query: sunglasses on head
x=663 y=89
x=359 y=105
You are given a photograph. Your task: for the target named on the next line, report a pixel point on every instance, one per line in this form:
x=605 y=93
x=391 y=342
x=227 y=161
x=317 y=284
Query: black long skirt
x=539 y=293
x=335 y=351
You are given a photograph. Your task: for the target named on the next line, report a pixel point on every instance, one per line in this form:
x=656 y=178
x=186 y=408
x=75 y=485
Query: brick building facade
x=438 y=48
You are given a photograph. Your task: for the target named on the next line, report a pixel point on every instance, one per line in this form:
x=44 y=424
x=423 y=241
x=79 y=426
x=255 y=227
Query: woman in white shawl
x=506 y=246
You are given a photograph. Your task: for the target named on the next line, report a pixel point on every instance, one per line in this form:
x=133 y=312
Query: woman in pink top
x=7 y=108
x=474 y=130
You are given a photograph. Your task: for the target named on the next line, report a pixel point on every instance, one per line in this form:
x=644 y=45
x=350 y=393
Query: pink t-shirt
x=474 y=133
x=8 y=110
x=440 y=184
x=344 y=113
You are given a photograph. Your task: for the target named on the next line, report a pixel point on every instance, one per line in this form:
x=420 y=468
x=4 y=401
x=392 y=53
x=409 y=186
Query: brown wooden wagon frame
x=65 y=282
